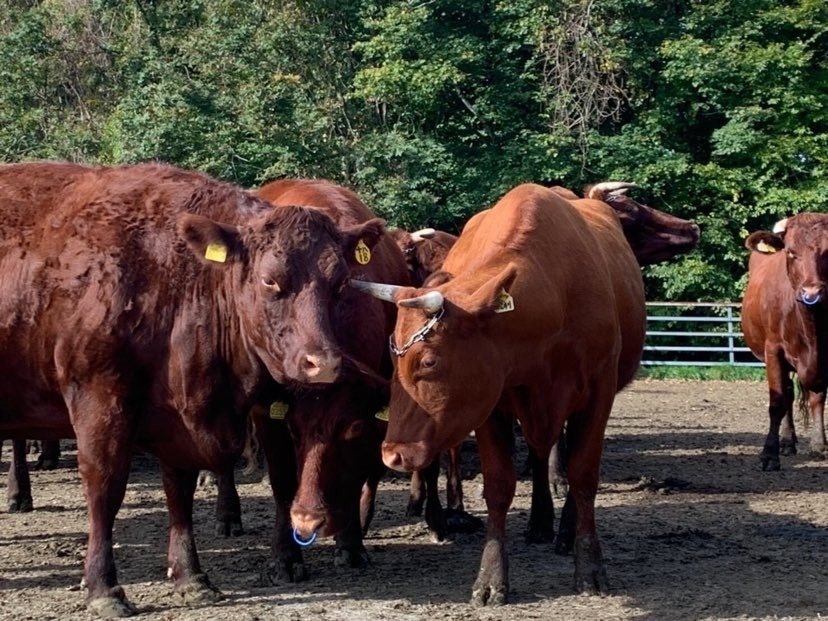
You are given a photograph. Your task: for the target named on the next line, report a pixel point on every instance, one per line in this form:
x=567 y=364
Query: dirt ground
x=691 y=529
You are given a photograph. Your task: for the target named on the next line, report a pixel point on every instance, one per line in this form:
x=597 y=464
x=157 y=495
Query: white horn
x=607 y=187
x=780 y=226
x=378 y=290
x=422 y=234
x=430 y=302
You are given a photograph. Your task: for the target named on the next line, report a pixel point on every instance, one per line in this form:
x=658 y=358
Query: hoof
x=281 y=572
x=462 y=522
x=20 y=505
x=414 y=509
x=540 y=535
x=226 y=528
x=353 y=559
x=111 y=606
x=489 y=595
x=198 y=590
x=594 y=584
x=769 y=464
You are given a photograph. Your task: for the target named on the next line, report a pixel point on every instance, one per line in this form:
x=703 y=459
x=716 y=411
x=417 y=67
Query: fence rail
x=696 y=334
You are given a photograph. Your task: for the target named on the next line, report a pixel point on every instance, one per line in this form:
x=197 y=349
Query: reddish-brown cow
x=538 y=314
x=145 y=307
x=785 y=323
x=334 y=431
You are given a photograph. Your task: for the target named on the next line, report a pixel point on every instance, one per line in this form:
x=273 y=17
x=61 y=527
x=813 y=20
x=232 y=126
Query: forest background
x=433 y=109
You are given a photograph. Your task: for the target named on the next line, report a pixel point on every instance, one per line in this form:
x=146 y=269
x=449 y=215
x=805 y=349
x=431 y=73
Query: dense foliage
x=431 y=110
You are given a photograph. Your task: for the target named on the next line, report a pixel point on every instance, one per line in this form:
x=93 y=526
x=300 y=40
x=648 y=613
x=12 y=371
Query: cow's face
x=290 y=268
x=804 y=240
x=446 y=383
x=337 y=440
x=653 y=235
x=424 y=251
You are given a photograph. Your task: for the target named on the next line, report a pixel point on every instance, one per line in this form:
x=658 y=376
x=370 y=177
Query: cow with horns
x=538 y=314
x=785 y=324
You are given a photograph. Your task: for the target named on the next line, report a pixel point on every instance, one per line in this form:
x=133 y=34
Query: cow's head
x=424 y=250
x=337 y=439
x=447 y=377
x=804 y=240
x=653 y=235
x=288 y=265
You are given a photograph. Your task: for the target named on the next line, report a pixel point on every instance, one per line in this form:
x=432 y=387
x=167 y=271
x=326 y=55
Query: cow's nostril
x=321 y=368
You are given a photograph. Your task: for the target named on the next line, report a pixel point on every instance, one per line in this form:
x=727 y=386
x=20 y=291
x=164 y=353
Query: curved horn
x=780 y=226
x=430 y=302
x=422 y=234
x=378 y=290
x=607 y=187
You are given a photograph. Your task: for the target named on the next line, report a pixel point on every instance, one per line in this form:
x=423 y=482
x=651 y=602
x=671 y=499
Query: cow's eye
x=354 y=430
x=270 y=284
x=429 y=361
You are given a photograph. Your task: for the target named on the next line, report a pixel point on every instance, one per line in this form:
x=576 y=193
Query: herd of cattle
x=151 y=308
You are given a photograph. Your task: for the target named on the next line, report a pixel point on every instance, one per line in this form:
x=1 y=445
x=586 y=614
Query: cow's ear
x=493 y=296
x=764 y=242
x=358 y=241
x=210 y=241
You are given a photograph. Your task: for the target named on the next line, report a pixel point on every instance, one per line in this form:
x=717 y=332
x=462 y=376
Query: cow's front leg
x=228 y=505
x=350 y=550
x=19 y=485
x=182 y=558
x=780 y=403
x=274 y=438
x=495 y=441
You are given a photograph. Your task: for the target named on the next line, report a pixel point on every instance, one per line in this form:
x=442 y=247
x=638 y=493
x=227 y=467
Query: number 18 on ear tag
x=362 y=253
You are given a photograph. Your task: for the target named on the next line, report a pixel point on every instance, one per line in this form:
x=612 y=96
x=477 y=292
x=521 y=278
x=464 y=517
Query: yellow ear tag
x=278 y=410
x=382 y=415
x=362 y=253
x=216 y=253
x=505 y=302
x=765 y=248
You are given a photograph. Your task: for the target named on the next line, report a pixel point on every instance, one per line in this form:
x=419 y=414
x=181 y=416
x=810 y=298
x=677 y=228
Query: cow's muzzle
x=321 y=368
x=810 y=296
x=406 y=457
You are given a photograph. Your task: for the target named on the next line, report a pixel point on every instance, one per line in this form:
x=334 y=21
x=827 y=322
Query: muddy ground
x=691 y=529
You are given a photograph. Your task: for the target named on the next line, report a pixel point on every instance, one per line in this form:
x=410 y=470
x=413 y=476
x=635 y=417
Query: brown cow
x=328 y=490
x=537 y=314
x=785 y=323
x=146 y=307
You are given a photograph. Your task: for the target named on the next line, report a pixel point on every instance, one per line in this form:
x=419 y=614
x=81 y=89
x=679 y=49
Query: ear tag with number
x=382 y=415
x=362 y=253
x=216 y=253
x=278 y=410
x=505 y=302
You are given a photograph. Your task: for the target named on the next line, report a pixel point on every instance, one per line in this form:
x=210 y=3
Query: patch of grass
x=722 y=372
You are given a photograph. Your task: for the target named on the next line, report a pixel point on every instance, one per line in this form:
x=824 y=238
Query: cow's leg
x=280 y=457
x=228 y=505
x=368 y=498
x=350 y=549
x=417 y=492
x=816 y=404
x=184 y=569
x=787 y=428
x=104 y=453
x=49 y=457
x=780 y=404
x=541 y=528
x=585 y=438
x=434 y=515
x=456 y=518
x=19 y=486
x=495 y=441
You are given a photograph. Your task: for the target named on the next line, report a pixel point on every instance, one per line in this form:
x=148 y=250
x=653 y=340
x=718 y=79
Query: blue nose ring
x=303 y=542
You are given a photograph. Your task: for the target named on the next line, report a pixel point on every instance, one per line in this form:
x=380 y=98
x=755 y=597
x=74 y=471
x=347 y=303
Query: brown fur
x=117 y=330
x=784 y=332
x=573 y=340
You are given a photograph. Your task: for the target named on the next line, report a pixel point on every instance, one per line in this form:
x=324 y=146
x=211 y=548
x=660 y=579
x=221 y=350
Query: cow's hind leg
x=541 y=528
x=495 y=441
x=228 y=505
x=182 y=558
x=19 y=485
x=49 y=457
x=456 y=518
x=816 y=404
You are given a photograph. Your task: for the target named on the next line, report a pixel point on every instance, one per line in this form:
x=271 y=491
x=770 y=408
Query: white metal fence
x=695 y=334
